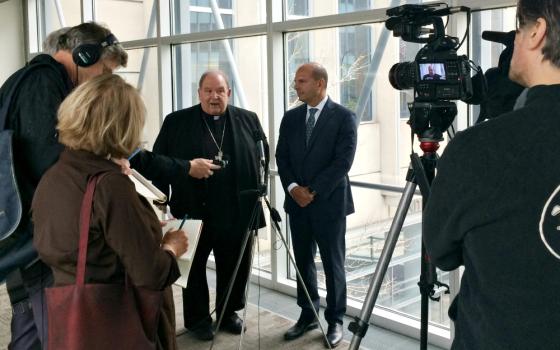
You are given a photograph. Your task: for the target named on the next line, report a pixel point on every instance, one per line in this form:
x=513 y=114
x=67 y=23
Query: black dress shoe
x=334 y=335
x=232 y=324
x=202 y=332
x=300 y=328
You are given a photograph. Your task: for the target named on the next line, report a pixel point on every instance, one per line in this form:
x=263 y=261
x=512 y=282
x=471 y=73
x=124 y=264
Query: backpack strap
x=8 y=100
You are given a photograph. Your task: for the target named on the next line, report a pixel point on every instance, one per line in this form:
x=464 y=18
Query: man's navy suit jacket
x=324 y=163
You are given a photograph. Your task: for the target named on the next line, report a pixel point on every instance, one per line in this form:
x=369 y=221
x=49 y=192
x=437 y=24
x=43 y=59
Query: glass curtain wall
x=170 y=44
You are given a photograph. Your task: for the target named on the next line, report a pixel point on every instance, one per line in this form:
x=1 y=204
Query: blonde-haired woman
x=100 y=121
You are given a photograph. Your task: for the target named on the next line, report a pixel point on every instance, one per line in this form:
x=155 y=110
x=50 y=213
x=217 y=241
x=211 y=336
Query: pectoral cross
x=219 y=156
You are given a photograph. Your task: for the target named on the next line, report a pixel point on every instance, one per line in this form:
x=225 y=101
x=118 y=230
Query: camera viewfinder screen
x=432 y=71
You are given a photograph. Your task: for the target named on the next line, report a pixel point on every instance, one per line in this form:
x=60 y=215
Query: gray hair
x=92 y=33
x=50 y=45
x=215 y=71
x=529 y=11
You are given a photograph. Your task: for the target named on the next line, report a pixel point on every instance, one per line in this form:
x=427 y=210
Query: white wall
x=11 y=37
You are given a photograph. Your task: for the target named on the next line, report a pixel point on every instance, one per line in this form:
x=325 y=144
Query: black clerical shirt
x=221 y=209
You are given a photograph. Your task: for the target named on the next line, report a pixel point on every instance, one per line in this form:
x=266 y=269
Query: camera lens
x=403 y=75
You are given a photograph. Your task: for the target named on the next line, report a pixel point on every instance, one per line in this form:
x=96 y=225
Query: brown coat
x=124 y=232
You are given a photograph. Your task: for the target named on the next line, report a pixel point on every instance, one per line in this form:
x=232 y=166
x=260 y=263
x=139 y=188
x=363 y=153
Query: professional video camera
x=437 y=75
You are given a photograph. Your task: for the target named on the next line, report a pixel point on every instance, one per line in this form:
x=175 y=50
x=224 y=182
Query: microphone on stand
x=257 y=135
x=260 y=146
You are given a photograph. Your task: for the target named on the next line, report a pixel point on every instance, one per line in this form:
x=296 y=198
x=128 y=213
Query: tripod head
x=429 y=120
x=430 y=146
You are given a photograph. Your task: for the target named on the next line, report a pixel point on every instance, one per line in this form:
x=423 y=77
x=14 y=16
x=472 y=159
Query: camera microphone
x=505 y=38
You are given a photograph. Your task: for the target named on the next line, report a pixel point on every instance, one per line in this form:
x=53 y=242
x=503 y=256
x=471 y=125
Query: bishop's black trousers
x=226 y=245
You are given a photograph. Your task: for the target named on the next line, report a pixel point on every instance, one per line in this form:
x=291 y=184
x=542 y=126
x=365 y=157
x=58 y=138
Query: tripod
x=421 y=172
x=250 y=234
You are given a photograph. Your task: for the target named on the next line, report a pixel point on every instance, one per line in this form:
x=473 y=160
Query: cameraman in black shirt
x=504 y=227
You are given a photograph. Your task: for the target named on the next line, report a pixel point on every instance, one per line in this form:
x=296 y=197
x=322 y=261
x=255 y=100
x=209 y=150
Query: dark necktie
x=310 y=124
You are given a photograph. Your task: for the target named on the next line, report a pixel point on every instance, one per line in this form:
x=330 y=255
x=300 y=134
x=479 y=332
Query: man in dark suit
x=223 y=197
x=315 y=151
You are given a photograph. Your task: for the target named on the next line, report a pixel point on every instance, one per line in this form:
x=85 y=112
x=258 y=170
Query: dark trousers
x=307 y=233
x=26 y=289
x=226 y=245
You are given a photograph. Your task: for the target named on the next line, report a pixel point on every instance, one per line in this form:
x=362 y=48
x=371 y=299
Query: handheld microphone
x=261 y=151
x=449 y=10
x=260 y=146
x=257 y=135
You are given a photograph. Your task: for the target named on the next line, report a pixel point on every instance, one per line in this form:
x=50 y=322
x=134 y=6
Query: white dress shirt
x=319 y=108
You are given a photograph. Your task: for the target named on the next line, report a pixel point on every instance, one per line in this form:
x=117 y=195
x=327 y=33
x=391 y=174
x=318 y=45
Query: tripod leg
x=248 y=235
x=247 y=286
x=293 y=260
x=424 y=298
x=360 y=325
x=425 y=168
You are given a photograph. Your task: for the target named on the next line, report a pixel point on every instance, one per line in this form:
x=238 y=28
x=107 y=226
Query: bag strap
x=8 y=100
x=85 y=218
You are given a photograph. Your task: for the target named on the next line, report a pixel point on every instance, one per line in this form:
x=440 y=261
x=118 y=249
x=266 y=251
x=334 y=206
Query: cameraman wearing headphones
x=82 y=52
x=504 y=227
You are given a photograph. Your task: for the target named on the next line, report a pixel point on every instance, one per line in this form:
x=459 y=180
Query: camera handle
x=421 y=172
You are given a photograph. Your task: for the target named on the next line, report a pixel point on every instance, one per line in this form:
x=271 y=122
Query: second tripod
x=421 y=172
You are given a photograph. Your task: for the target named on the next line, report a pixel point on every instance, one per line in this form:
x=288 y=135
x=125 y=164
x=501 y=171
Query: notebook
x=193 y=229
x=146 y=189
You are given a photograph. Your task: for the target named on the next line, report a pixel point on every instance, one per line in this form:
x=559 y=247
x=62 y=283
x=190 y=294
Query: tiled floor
x=276 y=313
x=284 y=305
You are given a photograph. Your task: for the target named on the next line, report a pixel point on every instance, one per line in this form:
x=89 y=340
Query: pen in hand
x=175 y=241
x=183 y=222
x=136 y=151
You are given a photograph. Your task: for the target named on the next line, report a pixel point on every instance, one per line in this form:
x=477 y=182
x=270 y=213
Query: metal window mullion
x=86 y=10
x=370 y=16
x=26 y=5
x=203 y=9
x=40 y=8
x=60 y=13
x=141 y=43
x=228 y=33
x=477 y=5
x=146 y=50
x=275 y=84
x=240 y=91
x=164 y=71
x=331 y=21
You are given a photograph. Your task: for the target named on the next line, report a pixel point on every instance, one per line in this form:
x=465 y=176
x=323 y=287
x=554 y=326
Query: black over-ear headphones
x=86 y=55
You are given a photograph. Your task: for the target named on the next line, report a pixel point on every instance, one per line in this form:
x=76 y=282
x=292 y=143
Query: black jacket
x=503 y=227
x=180 y=138
x=33 y=118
